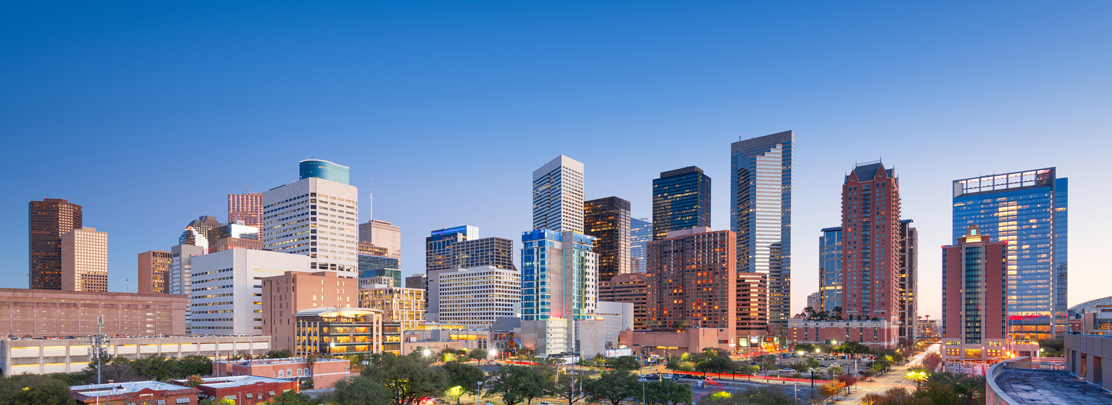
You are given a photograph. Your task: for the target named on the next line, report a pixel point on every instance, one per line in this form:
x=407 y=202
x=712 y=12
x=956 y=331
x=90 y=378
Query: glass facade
x=830 y=269
x=761 y=214
x=640 y=233
x=681 y=200
x=323 y=169
x=1028 y=210
x=607 y=219
x=558 y=276
x=438 y=255
x=558 y=195
x=973 y=301
x=47 y=221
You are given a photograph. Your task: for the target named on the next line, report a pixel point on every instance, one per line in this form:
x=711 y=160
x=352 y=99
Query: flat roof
x=1050 y=387
x=97 y=390
x=237 y=380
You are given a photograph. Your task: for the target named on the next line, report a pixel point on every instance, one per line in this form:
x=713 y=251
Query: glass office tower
x=558 y=276
x=607 y=219
x=761 y=215
x=1028 y=210
x=830 y=269
x=681 y=200
x=640 y=233
x=323 y=169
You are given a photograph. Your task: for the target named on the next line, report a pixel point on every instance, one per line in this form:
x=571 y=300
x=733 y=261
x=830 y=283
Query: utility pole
x=99 y=343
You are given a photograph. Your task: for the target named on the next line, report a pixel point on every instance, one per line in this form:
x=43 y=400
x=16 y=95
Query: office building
x=681 y=200
x=974 y=293
x=1027 y=209
x=607 y=219
x=761 y=215
x=197 y=231
x=227 y=295
x=344 y=332
x=477 y=296
x=814 y=300
x=640 y=233
x=752 y=310
x=875 y=334
x=314 y=217
x=632 y=288
x=85 y=260
x=390 y=277
x=323 y=169
x=181 y=270
x=404 y=306
x=559 y=287
x=134 y=392
x=52 y=313
x=558 y=196
x=420 y=281
x=47 y=221
x=237 y=230
x=693 y=282
x=236 y=243
x=295 y=291
x=615 y=317
x=830 y=270
x=247 y=208
x=72 y=355
x=492 y=251
x=909 y=282
x=382 y=234
x=154 y=272
x=438 y=255
x=871 y=243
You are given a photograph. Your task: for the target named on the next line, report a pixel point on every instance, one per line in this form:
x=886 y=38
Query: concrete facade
x=871 y=243
x=558 y=195
x=382 y=234
x=974 y=311
x=293 y=292
x=85 y=260
x=693 y=281
x=690 y=340
x=879 y=334
x=47 y=356
x=54 y=313
x=315 y=218
x=405 y=306
x=477 y=296
x=227 y=289
x=324 y=372
x=632 y=288
x=1088 y=357
x=154 y=272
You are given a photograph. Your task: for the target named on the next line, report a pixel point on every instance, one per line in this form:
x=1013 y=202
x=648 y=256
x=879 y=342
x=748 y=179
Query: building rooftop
x=1050 y=387
x=100 y=390
x=268 y=362
x=237 y=381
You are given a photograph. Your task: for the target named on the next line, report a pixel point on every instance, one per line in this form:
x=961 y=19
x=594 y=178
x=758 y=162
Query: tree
x=829 y=390
x=33 y=389
x=464 y=376
x=611 y=386
x=278 y=354
x=665 y=392
x=805 y=347
x=193 y=381
x=216 y=401
x=623 y=363
x=408 y=378
x=720 y=398
x=520 y=383
x=800 y=367
x=292 y=398
x=570 y=388
x=478 y=354
x=766 y=395
x=847 y=380
x=716 y=364
x=358 y=391
x=749 y=370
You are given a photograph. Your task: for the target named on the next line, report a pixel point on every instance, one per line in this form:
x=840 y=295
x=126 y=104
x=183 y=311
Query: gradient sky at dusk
x=149 y=113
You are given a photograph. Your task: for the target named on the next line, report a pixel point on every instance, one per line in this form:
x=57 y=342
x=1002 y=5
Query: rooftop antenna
x=370 y=195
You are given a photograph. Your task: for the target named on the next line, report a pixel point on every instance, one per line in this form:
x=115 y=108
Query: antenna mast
x=371 y=196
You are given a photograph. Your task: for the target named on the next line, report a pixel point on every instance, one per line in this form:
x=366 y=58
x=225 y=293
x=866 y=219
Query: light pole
x=479 y=394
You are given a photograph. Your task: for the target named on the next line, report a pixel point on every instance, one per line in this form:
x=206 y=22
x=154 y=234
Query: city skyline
x=847 y=111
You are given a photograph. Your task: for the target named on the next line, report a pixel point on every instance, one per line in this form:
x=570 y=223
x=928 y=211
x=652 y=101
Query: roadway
x=894 y=378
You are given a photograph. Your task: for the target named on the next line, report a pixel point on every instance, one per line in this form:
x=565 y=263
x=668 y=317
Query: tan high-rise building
x=85 y=260
x=47 y=221
x=247 y=208
x=154 y=272
x=382 y=234
x=693 y=281
x=628 y=287
x=403 y=305
x=293 y=292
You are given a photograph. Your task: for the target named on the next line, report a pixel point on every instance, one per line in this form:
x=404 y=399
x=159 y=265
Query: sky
x=149 y=113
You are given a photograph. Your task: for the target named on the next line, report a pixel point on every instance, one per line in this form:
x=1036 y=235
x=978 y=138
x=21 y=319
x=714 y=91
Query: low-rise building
x=401 y=305
x=47 y=356
x=344 y=331
x=137 y=392
x=690 y=340
x=285 y=295
x=324 y=372
x=55 y=313
x=1087 y=358
x=877 y=334
x=243 y=389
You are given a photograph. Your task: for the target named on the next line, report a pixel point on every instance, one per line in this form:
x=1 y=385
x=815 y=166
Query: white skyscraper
x=227 y=289
x=558 y=195
x=314 y=217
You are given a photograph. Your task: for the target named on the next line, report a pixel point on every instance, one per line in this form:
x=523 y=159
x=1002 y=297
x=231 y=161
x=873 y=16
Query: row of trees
x=156 y=367
x=939 y=388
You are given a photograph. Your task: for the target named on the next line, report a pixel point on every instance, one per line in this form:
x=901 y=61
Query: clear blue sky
x=149 y=113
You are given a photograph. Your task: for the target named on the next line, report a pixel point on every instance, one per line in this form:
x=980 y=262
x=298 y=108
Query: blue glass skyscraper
x=830 y=269
x=640 y=233
x=323 y=169
x=761 y=215
x=681 y=200
x=558 y=276
x=1028 y=210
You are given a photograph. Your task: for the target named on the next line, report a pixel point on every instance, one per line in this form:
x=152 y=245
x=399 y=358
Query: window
x=281 y=373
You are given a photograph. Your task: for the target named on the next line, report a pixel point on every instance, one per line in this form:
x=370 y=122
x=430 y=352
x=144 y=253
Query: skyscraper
x=628 y=287
x=974 y=283
x=197 y=231
x=323 y=169
x=640 y=233
x=693 y=282
x=181 y=275
x=1027 y=209
x=559 y=286
x=438 y=254
x=830 y=269
x=558 y=195
x=681 y=200
x=247 y=208
x=315 y=217
x=871 y=243
x=47 y=221
x=85 y=260
x=761 y=215
x=154 y=272
x=607 y=219
x=909 y=282
x=382 y=234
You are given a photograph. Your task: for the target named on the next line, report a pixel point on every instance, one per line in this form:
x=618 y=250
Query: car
x=642 y=380
x=544 y=403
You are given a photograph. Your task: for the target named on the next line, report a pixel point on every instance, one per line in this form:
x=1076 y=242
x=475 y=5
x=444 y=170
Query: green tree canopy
x=520 y=383
x=464 y=376
x=361 y=390
x=612 y=387
x=408 y=378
